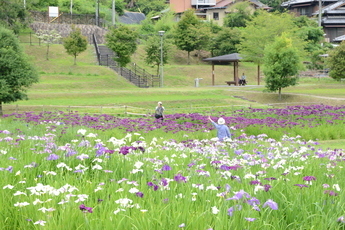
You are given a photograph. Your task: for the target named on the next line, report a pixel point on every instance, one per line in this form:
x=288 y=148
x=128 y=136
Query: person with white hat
x=159 y=111
x=223 y=131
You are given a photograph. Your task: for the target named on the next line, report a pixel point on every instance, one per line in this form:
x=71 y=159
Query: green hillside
x=64 y=85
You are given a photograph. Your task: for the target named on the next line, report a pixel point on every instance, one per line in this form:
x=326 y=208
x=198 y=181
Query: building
x=332 y=15
x=215 y=10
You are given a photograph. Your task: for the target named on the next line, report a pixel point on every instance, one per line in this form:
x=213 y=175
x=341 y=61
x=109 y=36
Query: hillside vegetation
x=87 y=84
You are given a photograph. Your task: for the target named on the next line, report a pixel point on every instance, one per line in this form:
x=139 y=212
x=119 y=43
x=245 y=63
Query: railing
x=95 y=43
x=134 y=74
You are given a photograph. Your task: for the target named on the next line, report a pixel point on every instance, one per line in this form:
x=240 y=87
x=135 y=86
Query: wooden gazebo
x=228 y=58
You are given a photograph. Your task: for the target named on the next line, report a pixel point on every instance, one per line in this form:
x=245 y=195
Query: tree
x=185 y=37
x=16 y=74
x=75 y=43
x=147 y=6
x=13 y=15
x=153 y=52
x=262 y=30
x=281 y=64
x=123 y=41
x=225 y=41
x=239 y=16
x=48 y=37
x=336 y=62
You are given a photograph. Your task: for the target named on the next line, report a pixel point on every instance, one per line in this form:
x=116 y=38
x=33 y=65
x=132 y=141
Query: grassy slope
x=86 y=83
x=65 y=84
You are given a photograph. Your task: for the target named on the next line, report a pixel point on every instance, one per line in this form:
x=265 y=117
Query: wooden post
x=212 y=73
x=236 y=73
x=258 y=74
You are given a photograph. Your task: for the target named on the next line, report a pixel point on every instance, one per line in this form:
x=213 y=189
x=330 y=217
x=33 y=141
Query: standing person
x=159 y=111
x=223 y=131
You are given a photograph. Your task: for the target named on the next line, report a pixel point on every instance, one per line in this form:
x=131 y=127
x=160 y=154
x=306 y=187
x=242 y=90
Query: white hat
x=221 y=121
x=160 y=103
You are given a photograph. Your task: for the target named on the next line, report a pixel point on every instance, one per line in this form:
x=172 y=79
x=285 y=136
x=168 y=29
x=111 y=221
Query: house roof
x=330 y=20
x=220 y=5
x=331 y=7
x=339 y=39
x=294 y=2
x=225 y=3
x=132 y=18
x=225 y=58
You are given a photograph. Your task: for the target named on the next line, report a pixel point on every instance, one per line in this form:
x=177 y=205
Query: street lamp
x=161 y=33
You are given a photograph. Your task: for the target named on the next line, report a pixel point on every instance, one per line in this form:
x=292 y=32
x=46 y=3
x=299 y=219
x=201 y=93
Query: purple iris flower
x=239 y=195
x=270 y=203
x=330 y=192
x=164 y=182
x=166 y=168
x=139 y=194
x=267 y=187
x=9 y=168
x=52 y=157
x=180 y=178
x=83 y=208
x=301 y=185
x=253 y=201
x=309 y=178
x=231 y=211
x=254 y=182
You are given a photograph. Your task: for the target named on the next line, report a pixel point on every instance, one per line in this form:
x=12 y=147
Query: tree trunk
x=280 y=94
x=75 y=59
x=188 y=62
x=1 y=109
x=47 y=52
x=258 y=74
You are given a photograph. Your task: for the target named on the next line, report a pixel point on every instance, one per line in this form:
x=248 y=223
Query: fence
x=133 y=73
x=87 y=19
x=31 y=38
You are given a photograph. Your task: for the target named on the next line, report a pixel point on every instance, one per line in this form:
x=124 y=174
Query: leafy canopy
x=185 y=36
x=262 y=31
x=48 y=37
x=123 y=41
x=281 y=64
x=16 y=74
x=336 y=62
x=13 y=15
x=153 y=51
x=75 y=43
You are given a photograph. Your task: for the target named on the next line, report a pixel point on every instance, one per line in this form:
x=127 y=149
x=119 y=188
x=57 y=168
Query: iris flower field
x=68 y=170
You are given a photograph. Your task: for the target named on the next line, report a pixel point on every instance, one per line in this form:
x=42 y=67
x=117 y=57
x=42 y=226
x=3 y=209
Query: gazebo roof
x=234 y=57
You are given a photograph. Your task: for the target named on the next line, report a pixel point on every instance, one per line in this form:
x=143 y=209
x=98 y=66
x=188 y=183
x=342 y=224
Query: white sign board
x=53 y=11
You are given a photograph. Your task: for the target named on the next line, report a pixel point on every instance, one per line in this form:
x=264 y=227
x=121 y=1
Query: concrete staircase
x=132 y=72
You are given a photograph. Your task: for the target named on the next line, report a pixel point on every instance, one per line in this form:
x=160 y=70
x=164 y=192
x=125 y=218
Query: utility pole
x=320 y=12
x=97 y=12
x=71 y=11
x=113 y=13
x=161 y=33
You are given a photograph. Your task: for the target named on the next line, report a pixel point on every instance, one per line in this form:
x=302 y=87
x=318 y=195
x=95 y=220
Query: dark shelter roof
x=225 y=58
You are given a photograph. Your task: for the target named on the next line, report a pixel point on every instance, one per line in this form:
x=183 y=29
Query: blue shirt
x=222 y=131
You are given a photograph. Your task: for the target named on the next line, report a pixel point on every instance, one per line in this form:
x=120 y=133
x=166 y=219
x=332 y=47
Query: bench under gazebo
x=228 y=58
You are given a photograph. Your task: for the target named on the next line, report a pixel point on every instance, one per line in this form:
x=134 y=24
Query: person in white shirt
x=159 y=111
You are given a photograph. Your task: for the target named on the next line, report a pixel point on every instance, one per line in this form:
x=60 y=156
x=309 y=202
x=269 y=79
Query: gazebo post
x=234 y=57
x=258 y=74
x=212 y=73
x=236 y=72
